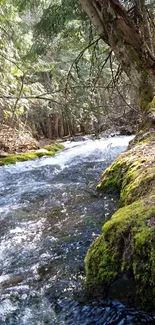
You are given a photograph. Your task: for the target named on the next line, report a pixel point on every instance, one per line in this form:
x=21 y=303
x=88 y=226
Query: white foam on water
x=82 y=149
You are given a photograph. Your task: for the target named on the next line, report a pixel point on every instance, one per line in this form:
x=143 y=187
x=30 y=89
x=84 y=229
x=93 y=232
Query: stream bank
x=48 y=150
x=121 y=261
x=50 y=213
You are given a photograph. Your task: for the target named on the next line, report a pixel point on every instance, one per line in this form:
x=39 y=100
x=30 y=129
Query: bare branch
x=18 y=98
x=102 y=67
x=10 y=60
x=75 y=62
x=32 y=97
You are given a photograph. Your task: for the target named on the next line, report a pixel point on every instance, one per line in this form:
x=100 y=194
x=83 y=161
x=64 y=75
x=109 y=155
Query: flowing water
x=50 y=212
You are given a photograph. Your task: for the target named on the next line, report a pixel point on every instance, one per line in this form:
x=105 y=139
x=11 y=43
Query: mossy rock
x=132 y=174
x=55 y=147
x=126 y=247
x=13 y=158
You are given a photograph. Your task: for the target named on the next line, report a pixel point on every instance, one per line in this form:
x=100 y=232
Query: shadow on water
x=50 y=213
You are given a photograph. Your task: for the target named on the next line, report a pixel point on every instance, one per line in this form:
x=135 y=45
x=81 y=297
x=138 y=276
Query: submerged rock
x=12 y=281
x=79 y=138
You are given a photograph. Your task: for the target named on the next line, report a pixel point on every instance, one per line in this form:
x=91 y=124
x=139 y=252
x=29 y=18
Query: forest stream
x=50 y=213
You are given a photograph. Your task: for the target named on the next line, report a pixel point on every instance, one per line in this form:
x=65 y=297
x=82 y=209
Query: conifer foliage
x=58 y=77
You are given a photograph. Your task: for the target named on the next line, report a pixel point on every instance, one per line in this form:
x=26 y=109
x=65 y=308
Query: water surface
x=50 y=213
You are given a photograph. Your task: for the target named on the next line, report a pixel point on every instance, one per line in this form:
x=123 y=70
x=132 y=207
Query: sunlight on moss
x=12 y=159
x=127 y=244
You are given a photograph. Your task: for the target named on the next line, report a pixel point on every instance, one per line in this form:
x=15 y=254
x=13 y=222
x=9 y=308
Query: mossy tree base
x=126 y=248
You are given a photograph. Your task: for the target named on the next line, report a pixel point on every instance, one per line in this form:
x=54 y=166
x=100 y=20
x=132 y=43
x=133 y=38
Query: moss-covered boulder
x=13 y=158
x=125 y=251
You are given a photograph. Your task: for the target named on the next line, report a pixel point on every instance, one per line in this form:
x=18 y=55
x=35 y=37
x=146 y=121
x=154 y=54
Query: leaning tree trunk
x=132 y=46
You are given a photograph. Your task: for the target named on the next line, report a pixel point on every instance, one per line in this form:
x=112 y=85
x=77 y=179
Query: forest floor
x=13 y=140
x=19 y=139
x=18 y=145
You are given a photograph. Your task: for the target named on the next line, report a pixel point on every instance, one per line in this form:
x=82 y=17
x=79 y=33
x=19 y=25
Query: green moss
x=112 y=177
x=129 y=175
x=146 y=92
x=101 y=267
x=141 y=142
x=12 y=159
x=151 y=104
x=127 y=244
x=141 y=184
x=55 y=147
x=146 y=97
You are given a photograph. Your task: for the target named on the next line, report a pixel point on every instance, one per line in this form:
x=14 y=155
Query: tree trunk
x=56 y=125
x=131 y=47
x=48 y=126
x=61 y=128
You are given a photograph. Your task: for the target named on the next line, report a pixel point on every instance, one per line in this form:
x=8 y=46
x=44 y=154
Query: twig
x=75 y=62
x=115 y=84
x=32 y=97
x=102 y=67
x=10 y=60
x=19 y=96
